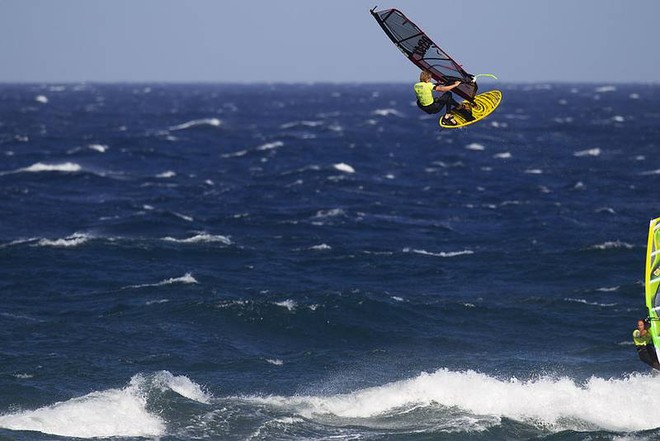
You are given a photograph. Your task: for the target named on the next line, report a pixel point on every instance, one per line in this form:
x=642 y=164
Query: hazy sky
x=311 y=41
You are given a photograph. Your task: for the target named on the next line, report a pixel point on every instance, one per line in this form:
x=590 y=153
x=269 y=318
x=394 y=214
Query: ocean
x=323 y=261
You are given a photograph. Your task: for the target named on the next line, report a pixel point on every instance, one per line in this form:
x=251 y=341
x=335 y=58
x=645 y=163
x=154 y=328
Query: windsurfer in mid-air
x=430 y=104
x=644 y=345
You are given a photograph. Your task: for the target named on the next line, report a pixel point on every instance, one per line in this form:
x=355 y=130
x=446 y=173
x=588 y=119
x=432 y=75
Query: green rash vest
x=424 y=92
x=641 y=340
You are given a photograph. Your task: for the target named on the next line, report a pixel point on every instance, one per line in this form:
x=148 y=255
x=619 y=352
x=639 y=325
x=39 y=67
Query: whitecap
x=201 y=238
x=333 y=212
x=475 y=146
x=321 y=247
x=344 y=167
x=236 y=154
x=101 y=148
x=166 y=174
x=288 y=304
x=440 y=254
x=43 y=99
x=534 y=171
x=213 y=122
x=275 y=361
x=182 y=385
x=293 y=124
x=183 y=216
x=111 y=413
x=556 y=403
x=505 y=155
x=65 y=167
x=617 y=244
x=186 y=279
x=605 y=89
x=270 y=145
x=74 y=240
x=585 y=302
x=386 y=112
x=589 y=152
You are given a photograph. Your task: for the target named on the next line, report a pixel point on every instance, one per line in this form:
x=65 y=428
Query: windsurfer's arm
x=441 y=88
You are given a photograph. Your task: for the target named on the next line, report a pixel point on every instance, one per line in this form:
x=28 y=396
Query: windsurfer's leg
x=446 y=101
x=653 y=356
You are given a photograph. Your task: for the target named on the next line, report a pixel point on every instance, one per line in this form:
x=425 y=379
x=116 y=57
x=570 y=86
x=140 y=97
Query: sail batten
x=652 y=280
x=423 y=52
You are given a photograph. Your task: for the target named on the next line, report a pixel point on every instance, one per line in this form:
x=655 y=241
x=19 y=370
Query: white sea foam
x=71 y=241
x=65 y=167
x=386 y=112
x=201 y=238
x=344 y=168
x=101 y=148
x=186 y=279
x=588 y=152
x=555 y=404
x=213 y=122
x=440 y=254
x=505 y=155
x=275 y=361
x=334 y=212
x=321 y=247
x=288 y=304
x=183 y=216
x=611 y=245
x=166 y=174
x=108 y=413
x=43 y=99
x=270 y=145
x=606 y=89
x=586 y=302
x=236 y=154
x=180 y=384
x=293 y=124
x=475 y=146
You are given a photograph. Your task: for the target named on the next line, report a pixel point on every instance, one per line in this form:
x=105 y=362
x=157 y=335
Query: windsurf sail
x=423 y=52
x=652 y=280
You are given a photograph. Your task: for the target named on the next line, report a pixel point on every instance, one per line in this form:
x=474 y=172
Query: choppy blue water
x=270 y=262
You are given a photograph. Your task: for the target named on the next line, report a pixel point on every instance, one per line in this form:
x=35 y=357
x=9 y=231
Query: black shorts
x=433 y=108
x=444 y=100
x=647 y=354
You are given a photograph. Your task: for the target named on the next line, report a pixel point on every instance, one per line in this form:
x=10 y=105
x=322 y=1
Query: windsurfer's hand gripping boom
x=442 y=88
